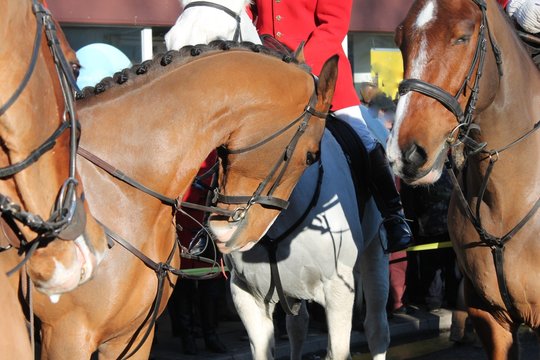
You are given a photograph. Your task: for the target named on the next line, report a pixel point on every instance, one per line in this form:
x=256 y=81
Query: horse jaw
x=224 y=236
x=229 y=237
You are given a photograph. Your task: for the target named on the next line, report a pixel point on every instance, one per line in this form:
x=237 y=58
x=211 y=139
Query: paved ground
x=233 y=335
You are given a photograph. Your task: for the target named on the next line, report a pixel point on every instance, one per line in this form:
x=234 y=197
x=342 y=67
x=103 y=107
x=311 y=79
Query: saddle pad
x=357 y=158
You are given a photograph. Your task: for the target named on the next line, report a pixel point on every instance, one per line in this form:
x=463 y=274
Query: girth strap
x=271 y=246
x=275 y=281
x=498 y=259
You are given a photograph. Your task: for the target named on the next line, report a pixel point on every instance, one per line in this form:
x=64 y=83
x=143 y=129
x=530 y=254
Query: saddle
x=357 y=157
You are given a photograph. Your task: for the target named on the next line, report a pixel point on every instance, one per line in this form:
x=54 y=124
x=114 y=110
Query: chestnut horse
x=37 y=172
x=152 y=131
x=463 y=61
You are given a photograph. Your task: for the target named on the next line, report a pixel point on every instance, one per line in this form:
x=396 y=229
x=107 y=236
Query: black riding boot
x=388 y=201
x=209 y=302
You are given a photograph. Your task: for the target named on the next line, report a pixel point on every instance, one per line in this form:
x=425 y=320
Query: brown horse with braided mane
x=145 y=133
x=463 y=61
x=38 y=131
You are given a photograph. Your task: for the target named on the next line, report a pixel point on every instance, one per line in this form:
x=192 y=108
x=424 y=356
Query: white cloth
x=202 y=24
x=354 y=117
x=526 y=13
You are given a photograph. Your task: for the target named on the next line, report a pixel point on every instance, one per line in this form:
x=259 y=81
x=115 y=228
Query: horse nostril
x=415 y=156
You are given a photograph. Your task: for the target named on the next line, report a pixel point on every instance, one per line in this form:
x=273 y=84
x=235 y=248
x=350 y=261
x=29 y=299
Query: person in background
x=367 y=91
x=379 y=116
x=197 y=301
x=384 y=108
x=432 y=277
x=323 y=25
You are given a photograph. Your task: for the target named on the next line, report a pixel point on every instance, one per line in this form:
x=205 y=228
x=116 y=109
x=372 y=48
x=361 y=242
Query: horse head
x=252 y=184
x=40 y=188
x=450 y=53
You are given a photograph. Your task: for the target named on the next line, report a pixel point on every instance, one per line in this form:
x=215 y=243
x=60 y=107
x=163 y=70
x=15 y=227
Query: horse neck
x=512 y=113
x=515 y=106
x=161 y=144
x=517 y=92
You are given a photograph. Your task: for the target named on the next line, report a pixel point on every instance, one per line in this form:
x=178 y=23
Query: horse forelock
x=178 y=58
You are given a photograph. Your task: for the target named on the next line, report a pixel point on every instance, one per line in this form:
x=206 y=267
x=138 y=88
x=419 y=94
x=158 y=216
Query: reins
x=271 y=245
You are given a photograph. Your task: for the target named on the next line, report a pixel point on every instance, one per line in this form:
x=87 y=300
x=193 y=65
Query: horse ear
x=299 y=53
x=327 y=82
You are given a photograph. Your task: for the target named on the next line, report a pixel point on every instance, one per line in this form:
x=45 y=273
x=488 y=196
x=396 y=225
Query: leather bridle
x=237 y=37
x=67 y=206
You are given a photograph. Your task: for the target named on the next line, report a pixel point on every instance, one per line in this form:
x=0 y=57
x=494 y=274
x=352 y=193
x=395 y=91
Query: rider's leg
x=382 y=182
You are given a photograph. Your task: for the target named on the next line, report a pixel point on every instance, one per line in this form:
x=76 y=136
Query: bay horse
x=464 y=61
x=151 y=127
x=47 y=232
x=319 y=249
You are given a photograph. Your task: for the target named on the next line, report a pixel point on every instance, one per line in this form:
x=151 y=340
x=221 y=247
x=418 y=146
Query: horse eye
x=462 y=40
x=311 y=158
x=76 y=69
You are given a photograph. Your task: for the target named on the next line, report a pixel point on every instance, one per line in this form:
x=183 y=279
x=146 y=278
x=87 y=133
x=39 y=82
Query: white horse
x=318 y=261
x=322 y=256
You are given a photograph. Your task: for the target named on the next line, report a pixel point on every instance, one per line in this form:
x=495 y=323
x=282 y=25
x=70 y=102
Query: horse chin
x=226 y=234
x=431 y=174
x=62 y=278
x=224 y=248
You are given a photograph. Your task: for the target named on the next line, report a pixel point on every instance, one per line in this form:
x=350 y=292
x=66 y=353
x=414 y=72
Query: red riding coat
x=323 y=24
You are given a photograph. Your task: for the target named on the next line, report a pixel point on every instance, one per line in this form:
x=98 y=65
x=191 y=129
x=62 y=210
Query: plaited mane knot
x=255 y=48
x=121 y=76
x=287 y=58
x=224 y=46
x=104 y=85
x=143 y=67
x=167 y=58
x=195 y=51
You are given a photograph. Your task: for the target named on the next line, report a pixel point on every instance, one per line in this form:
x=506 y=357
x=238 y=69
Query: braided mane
x=180 y=57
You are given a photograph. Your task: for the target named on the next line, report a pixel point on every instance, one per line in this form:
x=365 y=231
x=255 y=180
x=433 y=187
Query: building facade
x=137 y=27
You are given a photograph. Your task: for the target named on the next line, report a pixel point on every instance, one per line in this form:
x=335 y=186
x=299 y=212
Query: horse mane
x=180 y=57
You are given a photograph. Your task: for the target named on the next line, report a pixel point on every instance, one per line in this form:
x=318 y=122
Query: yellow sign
x=387 y=70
